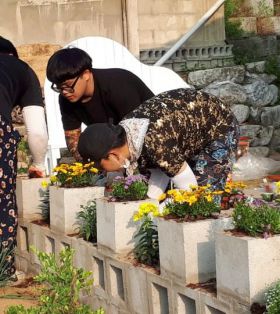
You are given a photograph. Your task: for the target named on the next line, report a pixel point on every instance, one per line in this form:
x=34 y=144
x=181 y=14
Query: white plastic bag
x=250 y=167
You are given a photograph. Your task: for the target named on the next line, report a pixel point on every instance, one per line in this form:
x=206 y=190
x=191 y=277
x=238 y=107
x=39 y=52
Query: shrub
x=146 y=250
x=130 y=188
x=233 y=28
x=63 y=284
x=273 y=300
x=75 y=175
x=199 y=202
x=86 y=221
x=44 y=204
x=4 y=263
x=256 y=220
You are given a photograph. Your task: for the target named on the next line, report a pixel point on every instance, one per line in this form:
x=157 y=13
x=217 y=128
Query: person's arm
x=184 y=178
x=37 y=137
x=157 y=183
x=72 y=138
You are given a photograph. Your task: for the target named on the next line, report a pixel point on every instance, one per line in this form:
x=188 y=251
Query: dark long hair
x=7 y=47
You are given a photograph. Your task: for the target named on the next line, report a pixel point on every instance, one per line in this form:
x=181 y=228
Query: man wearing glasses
x=88 y=95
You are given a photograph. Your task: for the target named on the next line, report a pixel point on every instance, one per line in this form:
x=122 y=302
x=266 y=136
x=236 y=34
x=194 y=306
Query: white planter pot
x=28 y=197
x=246 y=266
x=65 y=203
x=187 y=249
x=115 y=225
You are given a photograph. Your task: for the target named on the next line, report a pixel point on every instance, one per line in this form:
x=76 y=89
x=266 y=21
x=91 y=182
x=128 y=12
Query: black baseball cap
x=96 y=141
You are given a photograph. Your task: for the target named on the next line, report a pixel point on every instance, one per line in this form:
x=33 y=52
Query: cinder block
x=246 y=266
x=159 y=294
x=187 y=249
x=115 y=225
x=66 y=203
x=268 y=25
x=137 y=290
x=28 y=197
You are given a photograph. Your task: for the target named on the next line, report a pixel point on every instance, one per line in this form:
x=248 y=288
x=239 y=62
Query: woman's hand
x=37 y=171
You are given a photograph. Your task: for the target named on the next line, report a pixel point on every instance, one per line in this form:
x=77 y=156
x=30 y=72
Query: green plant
x=256 y=220
x=233 y=29
x=199 y=202
x=62 y=286
x=5 y=252
x=75 y=175
x=264 y=9
x=131 y=188
x=272 y=66
x=146 y=250
x=86 y=221
x=273 y=300
x=23 y=146
x=44 y=204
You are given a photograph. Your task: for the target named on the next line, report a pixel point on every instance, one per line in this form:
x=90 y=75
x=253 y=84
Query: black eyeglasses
x=68 y=89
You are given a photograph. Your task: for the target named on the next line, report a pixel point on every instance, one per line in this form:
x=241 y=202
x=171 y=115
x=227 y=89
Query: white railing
x=197 y=26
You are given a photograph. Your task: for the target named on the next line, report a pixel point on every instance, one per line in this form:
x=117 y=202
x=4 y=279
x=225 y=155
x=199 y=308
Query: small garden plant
x=146 y=250
x=256 y=220
x=130 y=188
x=75 y=175
x=86 y=221
x=197 y=203
x=4 y=263
x=44 y=204
x=62 y=286
x=273 y=300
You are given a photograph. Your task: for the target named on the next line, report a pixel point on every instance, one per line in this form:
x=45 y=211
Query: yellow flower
x=192 y=199
x=53 y=179
x=44 y=184
x=162 y=197
x=93 y=170
x=136 y=217
x=209 y=198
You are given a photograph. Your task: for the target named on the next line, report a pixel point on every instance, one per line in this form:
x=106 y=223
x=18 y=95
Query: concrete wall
x=137 y=24
x=163 y=22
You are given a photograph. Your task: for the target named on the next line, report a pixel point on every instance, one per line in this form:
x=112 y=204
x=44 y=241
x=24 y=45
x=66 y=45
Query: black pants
x=9 y=139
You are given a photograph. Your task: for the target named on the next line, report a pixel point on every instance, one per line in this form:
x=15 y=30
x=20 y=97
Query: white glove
x=157 y=183
x=37 y=136
x=184 y=179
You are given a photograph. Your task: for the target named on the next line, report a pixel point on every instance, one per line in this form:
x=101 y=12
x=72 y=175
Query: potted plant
x=146 y=250
x=186 y=234
x=247 y=258
x=115 y=213
x=233 y=192
x=72 y=185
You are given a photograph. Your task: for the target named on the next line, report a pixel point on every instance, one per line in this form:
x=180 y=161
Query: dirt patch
x=256 y=308
x=208 y=286
x=129 y=258
x=25 y=292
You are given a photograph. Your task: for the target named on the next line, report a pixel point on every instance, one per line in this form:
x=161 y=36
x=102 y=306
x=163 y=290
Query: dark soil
x=190 y=218
x=41 y=222
x=208 y=286
x=257 y=308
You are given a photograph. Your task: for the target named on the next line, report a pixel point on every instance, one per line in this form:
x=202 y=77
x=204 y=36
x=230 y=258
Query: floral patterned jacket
x=181 y=123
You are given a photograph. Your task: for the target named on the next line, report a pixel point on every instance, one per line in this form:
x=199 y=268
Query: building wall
x=138 y=24
x=163 y=22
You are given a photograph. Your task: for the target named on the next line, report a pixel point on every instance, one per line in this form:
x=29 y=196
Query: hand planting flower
x=75 y=175
x=130 y=188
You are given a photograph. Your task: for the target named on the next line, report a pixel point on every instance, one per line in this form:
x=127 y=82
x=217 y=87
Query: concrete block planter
x=65 y=204
x=115 y=225
x=187 y=249
x=246 y=266
x=28 y=197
